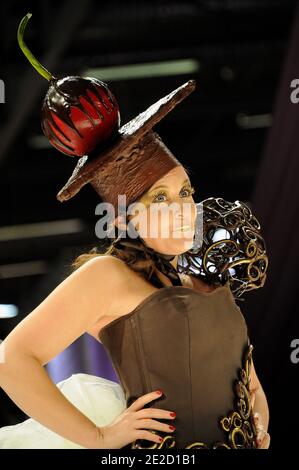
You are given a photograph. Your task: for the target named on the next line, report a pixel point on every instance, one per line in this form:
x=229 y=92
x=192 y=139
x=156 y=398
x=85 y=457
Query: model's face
x=166 y=220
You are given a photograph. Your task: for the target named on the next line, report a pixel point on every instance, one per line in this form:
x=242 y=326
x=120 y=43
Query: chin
x=180 y=245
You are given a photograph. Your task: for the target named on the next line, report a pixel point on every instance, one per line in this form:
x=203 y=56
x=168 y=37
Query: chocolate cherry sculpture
x=78 y=114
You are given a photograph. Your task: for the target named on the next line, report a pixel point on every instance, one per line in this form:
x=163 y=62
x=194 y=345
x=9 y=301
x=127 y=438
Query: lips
x=183 y=228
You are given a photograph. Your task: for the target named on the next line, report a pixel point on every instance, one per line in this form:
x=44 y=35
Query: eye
x=189 y=191
x=156 y=195
x=162 y=193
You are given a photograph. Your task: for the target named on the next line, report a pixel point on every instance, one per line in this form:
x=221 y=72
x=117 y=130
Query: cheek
x=165 y=219
x=149 y=223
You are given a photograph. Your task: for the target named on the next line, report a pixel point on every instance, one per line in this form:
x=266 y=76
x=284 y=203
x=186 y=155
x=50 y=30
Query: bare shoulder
x=97 y=275
x=109 y=275
x=71 y=309
x=108 y=265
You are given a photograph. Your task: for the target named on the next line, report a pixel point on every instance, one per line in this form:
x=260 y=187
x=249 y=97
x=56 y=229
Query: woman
x=37 y=339
x=164 y=326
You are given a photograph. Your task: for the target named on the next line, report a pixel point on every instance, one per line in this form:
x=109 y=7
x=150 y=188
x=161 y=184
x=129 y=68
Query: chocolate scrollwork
x=228 y=246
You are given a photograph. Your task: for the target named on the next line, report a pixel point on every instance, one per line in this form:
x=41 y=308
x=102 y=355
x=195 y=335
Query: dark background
x=237 y=132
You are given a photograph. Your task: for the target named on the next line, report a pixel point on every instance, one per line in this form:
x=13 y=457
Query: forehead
x=177 y=174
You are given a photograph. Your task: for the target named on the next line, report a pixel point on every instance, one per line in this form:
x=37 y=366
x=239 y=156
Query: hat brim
x=125 y=139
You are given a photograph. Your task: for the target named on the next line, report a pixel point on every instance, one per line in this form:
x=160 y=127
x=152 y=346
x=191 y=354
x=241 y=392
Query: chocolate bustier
x=195 y=347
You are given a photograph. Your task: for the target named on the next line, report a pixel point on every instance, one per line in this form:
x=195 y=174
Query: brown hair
x=140 y=264
x=139 y=261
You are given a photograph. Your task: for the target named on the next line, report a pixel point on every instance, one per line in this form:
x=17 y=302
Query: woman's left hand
x=263 y=437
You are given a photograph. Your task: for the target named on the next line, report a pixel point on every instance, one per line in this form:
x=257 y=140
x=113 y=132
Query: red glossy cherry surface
x=79 y=114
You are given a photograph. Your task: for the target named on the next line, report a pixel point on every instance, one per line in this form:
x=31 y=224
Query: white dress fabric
x=101 y=400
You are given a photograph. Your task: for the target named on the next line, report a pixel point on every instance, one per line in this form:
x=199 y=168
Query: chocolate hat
x=133 y=160
x=80 y=117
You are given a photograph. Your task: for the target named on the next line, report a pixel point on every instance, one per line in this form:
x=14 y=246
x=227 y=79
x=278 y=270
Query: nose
x=183 y=214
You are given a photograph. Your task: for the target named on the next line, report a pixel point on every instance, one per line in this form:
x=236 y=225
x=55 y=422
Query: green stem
x=36 y=64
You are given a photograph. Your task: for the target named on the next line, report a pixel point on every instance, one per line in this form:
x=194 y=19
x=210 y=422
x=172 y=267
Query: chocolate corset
x=194 y=346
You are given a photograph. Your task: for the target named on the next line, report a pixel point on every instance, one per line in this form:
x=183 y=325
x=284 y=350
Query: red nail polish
x=173 y=414
x=160 y=392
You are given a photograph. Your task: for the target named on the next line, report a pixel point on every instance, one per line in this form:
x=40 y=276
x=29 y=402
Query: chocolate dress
x=194 y=346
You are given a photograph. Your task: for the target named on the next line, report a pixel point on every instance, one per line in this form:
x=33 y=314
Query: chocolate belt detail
x=238 y=425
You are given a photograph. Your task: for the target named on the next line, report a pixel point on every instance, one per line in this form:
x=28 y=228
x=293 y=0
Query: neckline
x=154 y=294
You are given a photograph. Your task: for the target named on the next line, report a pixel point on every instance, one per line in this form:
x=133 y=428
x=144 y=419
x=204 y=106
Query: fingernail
x=160 y=392
x=173 y=414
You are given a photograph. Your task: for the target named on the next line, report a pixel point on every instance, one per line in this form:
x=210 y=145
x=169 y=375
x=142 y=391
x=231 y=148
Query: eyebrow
x=166 y=187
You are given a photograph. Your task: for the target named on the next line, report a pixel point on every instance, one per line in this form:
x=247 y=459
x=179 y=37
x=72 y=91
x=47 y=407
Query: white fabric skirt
x=101 y=400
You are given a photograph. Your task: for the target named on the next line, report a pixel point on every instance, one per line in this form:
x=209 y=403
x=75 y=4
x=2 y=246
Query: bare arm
x=260 y=409
x=72 y=308
x=259 y=403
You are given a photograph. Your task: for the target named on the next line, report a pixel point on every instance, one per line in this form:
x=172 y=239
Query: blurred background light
x=8 y=310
